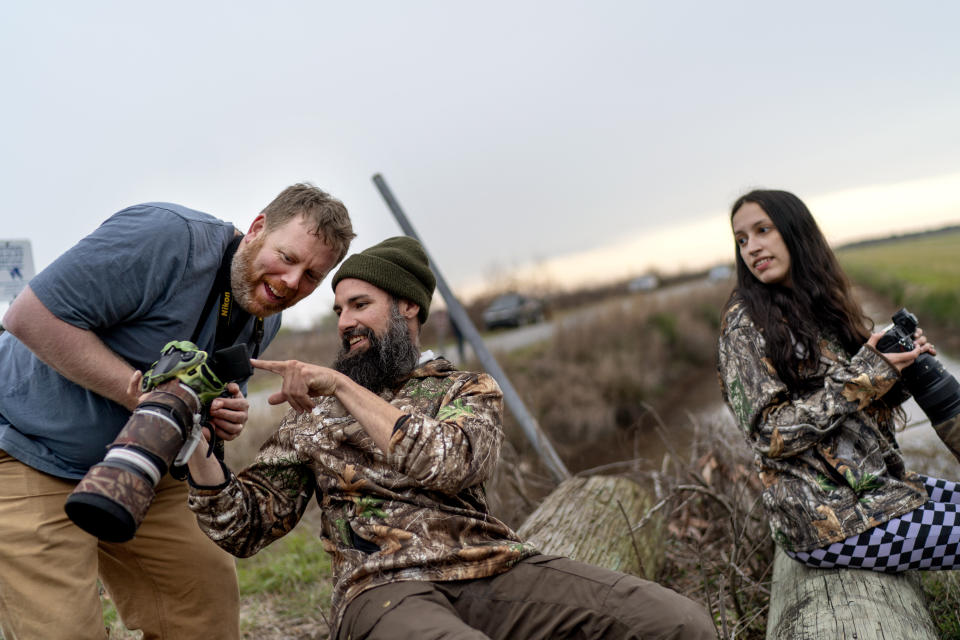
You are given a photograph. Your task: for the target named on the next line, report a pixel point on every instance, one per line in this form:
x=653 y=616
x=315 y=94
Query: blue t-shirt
x=140 y=280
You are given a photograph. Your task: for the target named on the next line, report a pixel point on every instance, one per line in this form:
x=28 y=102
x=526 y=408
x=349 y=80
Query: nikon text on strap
x=231 y=317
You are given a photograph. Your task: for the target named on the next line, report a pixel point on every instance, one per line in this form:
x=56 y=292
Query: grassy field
x=921 y=273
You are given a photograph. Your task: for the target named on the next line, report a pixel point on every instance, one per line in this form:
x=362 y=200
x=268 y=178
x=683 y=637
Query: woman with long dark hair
x=817 y=403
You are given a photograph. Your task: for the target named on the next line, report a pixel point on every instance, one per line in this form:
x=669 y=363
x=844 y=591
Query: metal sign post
x=459 y=316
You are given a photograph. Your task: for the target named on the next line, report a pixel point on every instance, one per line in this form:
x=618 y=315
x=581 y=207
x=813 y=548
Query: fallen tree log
x=824 y=604
x=590 y=519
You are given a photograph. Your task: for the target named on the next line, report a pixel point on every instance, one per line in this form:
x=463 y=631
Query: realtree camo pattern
x=147 y=432
x=152 y=433
x=827 y=457
x=129 y=490
x=418 y=512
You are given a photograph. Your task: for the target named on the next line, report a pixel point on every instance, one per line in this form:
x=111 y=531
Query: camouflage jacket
x=827 y=457
x=416 y=512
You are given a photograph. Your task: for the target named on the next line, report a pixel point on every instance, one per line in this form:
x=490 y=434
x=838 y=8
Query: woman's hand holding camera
x=903 y=359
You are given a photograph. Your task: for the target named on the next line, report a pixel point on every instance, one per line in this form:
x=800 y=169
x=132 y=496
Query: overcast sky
x=513 y=133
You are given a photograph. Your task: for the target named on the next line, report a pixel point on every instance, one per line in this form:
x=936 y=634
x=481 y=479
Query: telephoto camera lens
x=113 y=497
x=933 y=387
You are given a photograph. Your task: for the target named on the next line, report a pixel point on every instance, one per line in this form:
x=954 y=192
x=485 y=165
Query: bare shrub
x=719 y=548
x=591 y=386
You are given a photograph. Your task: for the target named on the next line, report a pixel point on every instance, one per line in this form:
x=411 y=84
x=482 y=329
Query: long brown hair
x=819 y=300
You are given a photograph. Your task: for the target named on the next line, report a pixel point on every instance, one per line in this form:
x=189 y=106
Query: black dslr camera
x=935 y=390
x=112 y=499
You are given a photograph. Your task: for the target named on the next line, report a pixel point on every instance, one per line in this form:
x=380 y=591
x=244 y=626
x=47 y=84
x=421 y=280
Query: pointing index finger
x=274 y=366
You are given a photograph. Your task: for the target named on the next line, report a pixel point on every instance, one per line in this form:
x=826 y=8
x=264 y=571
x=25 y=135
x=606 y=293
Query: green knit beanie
x=397 y=265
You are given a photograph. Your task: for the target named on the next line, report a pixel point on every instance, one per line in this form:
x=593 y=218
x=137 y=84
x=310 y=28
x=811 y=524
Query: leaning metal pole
x=459 y=315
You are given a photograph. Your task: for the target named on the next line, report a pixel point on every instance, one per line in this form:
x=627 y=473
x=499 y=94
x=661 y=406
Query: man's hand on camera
x=229 y=414
x=134 y=394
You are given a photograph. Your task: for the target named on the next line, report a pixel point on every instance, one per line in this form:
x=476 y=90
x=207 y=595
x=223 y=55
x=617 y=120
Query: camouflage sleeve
x=458 y=447
x=779 y=423
x=259 y=505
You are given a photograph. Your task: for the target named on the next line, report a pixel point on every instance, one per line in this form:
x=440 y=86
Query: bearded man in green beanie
x=396 y=446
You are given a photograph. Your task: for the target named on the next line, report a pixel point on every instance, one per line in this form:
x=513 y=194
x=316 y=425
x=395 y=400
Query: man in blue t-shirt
x=76 y=338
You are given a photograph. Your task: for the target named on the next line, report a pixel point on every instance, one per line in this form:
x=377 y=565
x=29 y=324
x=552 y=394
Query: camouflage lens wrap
x=153 y=433
x=112 y=499
x=161 y=422
x=110 y=502
x=177 y=395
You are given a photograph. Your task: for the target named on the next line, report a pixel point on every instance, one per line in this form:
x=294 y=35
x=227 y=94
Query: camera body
x=112 y=499
x=899 y=335
x=933 y=387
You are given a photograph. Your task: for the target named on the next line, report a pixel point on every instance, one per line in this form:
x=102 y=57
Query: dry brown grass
x=592 y=388
x=719 y=547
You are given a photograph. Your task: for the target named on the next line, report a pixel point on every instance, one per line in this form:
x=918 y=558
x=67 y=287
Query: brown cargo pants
x=170 y=581
x=542 y=597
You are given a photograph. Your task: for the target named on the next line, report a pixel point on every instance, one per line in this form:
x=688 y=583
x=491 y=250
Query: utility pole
x=459 y=316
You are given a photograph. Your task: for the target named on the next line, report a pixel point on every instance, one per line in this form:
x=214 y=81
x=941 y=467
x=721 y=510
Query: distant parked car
x=648 y=282
x=720 y=272
x=513 y=310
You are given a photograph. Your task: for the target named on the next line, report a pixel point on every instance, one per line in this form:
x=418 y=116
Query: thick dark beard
x=386 y=361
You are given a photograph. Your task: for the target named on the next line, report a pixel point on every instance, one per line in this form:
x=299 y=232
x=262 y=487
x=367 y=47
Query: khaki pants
x=170 y=581
x=543 y=597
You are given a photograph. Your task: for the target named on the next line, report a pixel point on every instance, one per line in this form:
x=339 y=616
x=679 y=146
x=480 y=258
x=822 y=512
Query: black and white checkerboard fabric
x=926 y=538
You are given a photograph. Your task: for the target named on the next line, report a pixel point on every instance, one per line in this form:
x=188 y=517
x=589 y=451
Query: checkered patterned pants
x=925 y=538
